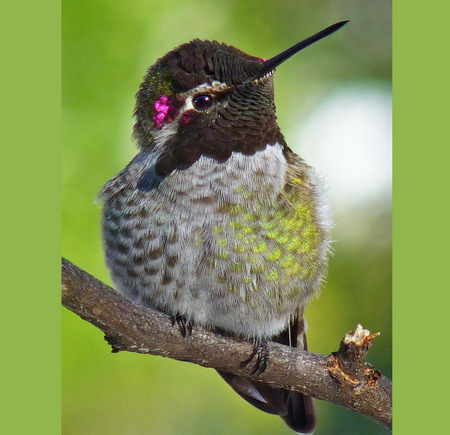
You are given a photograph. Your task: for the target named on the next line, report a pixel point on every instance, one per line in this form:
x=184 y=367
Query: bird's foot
x=184 y=324
x=261 y=356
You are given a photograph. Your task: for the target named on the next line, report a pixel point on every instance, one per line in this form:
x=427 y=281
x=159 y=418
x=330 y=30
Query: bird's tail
x=296 y=409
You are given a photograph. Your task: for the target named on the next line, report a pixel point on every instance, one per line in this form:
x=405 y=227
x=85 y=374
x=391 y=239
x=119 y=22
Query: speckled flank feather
x=236 y=246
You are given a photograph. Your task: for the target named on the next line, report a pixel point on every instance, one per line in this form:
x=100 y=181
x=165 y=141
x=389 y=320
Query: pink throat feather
x=165 y=111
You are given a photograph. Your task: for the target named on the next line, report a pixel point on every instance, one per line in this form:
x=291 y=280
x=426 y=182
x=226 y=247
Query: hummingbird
x=216 y=221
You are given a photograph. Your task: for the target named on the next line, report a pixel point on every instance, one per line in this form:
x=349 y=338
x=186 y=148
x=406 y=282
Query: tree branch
x=342 y=377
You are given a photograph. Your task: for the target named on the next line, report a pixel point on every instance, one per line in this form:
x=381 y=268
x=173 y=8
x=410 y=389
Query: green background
x=106 y=48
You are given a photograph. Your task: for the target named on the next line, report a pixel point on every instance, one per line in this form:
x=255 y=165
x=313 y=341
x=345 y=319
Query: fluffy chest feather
x=237 y=246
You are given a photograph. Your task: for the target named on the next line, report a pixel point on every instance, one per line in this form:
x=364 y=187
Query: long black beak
x=272 y=63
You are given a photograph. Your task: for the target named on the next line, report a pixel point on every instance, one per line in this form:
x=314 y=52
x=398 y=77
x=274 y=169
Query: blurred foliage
x=107 y=47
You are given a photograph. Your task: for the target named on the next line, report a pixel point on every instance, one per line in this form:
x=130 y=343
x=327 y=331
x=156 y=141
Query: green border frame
x=30 y=320
x=421 y=118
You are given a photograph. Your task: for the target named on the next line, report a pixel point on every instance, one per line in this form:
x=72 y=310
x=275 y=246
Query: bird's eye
x=202 y=102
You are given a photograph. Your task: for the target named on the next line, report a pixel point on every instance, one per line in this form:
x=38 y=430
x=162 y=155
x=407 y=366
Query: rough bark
x=343 y=378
